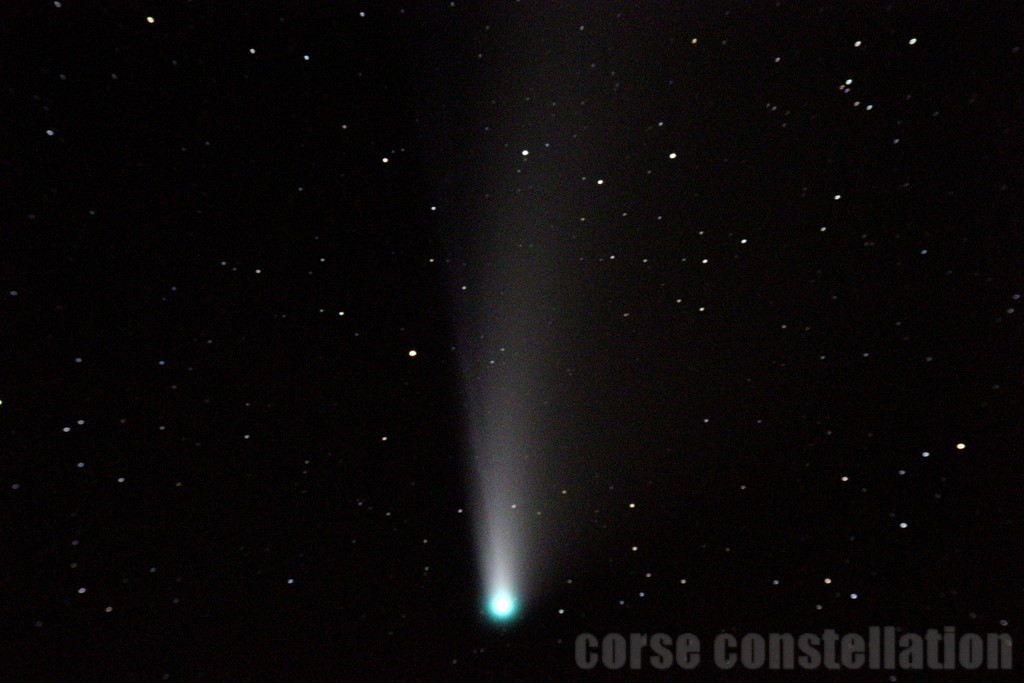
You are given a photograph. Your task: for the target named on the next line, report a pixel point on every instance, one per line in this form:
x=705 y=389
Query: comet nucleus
x=502 y=606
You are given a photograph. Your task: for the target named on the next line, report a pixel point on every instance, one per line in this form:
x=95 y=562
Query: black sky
x=760 y=259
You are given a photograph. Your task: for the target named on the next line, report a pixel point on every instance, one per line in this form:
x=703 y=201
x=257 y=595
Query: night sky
x=689 y=317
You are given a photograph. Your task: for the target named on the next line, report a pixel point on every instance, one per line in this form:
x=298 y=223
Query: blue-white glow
x=502 y=605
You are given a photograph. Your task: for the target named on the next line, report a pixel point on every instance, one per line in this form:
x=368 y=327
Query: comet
x=502 y=495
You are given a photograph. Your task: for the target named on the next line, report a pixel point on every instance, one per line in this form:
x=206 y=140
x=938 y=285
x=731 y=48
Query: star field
x=711 y=312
